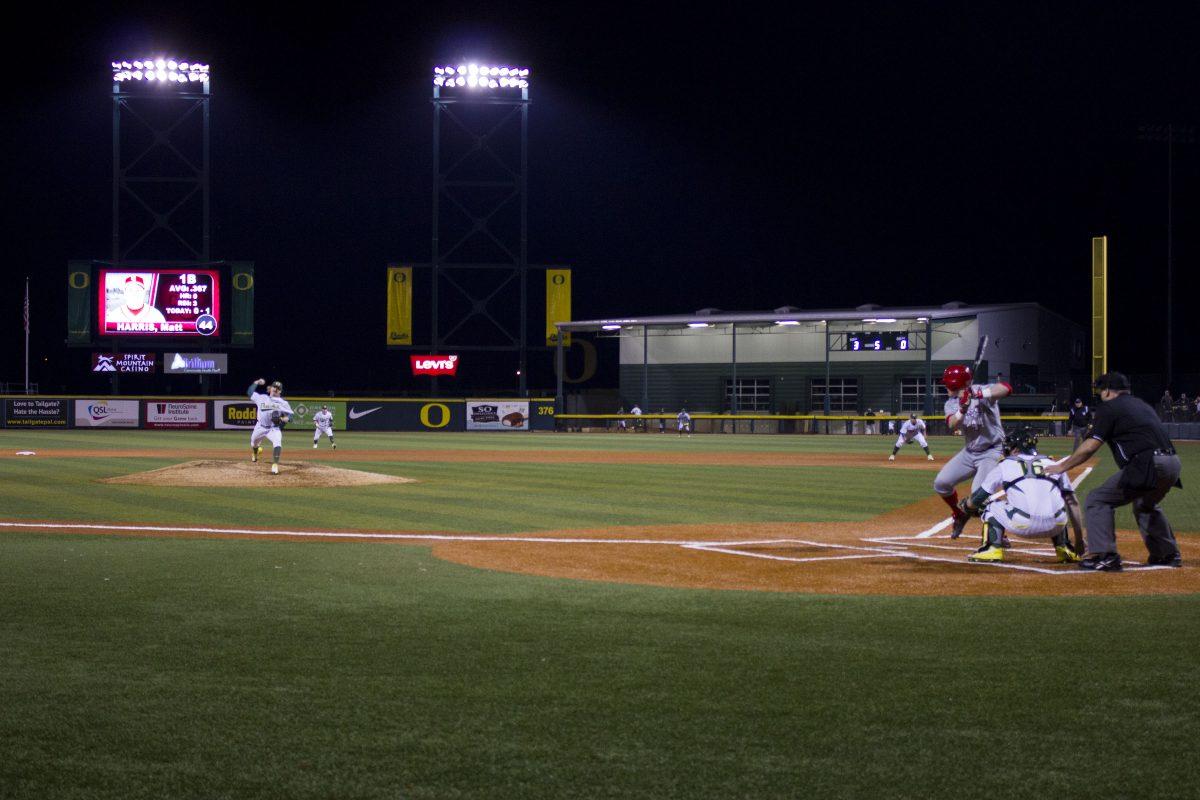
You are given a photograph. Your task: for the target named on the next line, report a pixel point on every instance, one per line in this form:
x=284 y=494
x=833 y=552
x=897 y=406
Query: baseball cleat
x=334 y=446
x=929 y=458
x=891 y=458
x=987 y=553
x=1066 y=555
x=1102 y=562
x=314 y=445
x=274 y=469
x=1005 y=542
x=960 y=522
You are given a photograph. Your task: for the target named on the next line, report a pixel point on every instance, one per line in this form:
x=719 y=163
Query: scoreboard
x=876 y=341
x=158 y=302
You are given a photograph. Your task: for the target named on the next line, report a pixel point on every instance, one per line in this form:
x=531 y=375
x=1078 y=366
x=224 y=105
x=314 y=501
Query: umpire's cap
x=1113 y=381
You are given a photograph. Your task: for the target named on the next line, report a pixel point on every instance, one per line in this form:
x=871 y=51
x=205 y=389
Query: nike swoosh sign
x=355 y=414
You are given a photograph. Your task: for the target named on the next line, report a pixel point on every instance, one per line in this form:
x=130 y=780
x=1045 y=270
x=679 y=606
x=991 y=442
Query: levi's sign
x=434 y=365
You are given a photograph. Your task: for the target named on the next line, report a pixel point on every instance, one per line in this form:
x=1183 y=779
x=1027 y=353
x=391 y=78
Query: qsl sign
x=434 y=365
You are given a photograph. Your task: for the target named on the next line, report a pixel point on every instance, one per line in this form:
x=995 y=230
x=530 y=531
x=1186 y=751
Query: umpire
x=1148 y=470
x=1079 y=420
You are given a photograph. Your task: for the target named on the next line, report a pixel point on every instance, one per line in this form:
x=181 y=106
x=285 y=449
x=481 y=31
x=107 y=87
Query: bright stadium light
x=479 y=77
x=610 y=327
x=699 y=325
x=159 y=70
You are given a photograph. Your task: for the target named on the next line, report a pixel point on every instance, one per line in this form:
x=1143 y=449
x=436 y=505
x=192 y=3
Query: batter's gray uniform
x=983 y=445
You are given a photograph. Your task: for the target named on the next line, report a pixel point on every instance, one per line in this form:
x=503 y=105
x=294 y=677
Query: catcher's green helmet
x=1023 y=438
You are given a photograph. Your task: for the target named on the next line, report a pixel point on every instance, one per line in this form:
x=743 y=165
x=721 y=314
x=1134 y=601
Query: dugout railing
x=1043 y=424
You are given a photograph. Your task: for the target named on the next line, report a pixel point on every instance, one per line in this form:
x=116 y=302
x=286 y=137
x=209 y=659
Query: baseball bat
x=983 y=343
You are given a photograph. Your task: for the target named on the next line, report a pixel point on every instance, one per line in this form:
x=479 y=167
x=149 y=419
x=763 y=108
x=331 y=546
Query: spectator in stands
x=1183 y=408
x=1164 y=405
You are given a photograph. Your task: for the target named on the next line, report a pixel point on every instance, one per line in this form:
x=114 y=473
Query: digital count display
x=877 y=341
x=159 y=302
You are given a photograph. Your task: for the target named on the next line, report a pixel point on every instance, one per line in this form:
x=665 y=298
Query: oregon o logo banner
x=79 y=280
x=426 y=416
x=243 y=281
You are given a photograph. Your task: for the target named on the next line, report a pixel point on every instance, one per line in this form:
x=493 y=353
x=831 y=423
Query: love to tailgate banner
x=399 y=306
x=558 y=304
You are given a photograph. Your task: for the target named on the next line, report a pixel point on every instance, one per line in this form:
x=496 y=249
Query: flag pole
x=26 y=315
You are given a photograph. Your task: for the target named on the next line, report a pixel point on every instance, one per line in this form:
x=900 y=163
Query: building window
x=912 y=394
x=753 y=395
x=843 y=394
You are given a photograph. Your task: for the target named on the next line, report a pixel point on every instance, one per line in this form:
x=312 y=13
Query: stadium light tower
x=160 y=186
x=480 y=215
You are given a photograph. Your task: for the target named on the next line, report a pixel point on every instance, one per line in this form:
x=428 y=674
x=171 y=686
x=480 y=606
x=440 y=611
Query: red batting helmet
x=956 y=377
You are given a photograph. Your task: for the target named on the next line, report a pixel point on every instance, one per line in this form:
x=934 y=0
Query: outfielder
x=1034 y=504
x=683 y=421
x=975 y=410
x=913 y=430
x=323 y=423
x=273 y=413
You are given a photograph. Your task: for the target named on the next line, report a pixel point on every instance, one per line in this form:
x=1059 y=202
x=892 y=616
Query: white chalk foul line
x=432 y=537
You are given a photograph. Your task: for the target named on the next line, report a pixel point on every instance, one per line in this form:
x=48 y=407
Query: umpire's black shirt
x=1129 y=426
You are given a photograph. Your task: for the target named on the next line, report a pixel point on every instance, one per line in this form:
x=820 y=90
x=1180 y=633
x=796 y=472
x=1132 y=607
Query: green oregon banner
x=79 y=302
x=241 y=276
x=399 y=306
x=558 y=304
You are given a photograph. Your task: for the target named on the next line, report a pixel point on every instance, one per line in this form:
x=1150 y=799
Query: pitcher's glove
x=277 y=419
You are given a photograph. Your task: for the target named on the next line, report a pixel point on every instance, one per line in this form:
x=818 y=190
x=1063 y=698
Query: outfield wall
x=238 y=413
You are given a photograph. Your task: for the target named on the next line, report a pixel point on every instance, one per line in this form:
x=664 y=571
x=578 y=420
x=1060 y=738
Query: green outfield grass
x=155 y=668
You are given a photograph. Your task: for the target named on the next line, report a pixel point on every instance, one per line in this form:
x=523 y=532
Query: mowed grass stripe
x=476 y=497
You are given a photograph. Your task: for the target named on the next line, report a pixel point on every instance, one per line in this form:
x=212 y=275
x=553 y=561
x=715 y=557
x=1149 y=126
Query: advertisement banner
x=399 y=306
x=37 y=412
x=196 y=363
x=434 y=365
x=106 y=413
x=405 y=415
x=305 y=409
x=125 y=363
x=191 y=415
x=558 y=304
x=234 y=415
x=541 y=415
x=497 y=415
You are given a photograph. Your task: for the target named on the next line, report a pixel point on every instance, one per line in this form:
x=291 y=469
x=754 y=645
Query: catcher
x=273 y=414
x=1017 y=497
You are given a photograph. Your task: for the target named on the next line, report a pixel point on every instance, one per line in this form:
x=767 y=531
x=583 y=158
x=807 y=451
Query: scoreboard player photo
x=156 y=302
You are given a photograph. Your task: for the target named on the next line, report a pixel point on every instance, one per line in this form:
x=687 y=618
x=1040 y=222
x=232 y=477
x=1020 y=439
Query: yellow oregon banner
x=399 y=306
x=558 y=304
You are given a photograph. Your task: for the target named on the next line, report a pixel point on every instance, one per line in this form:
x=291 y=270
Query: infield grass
x=155 y=668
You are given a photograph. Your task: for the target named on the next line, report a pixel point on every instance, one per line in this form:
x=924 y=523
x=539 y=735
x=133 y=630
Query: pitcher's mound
x=247 y=475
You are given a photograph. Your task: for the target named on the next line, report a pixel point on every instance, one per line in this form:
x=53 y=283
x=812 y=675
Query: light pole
x=1172 y=135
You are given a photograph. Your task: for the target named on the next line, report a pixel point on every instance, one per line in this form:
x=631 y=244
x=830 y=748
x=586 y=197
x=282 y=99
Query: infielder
x=273 y=413
x=913 y=430
x=1034 y=504
x=683 y=422
x=323 y=423
x=975 y=411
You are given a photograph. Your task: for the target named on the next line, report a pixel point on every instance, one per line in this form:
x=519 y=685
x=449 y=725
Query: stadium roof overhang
x=862 y=314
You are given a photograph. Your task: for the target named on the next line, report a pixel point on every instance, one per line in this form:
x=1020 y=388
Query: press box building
x=840 y=360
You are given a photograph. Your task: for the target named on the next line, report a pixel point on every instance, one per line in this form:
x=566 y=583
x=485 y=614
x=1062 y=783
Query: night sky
x=849 y=153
